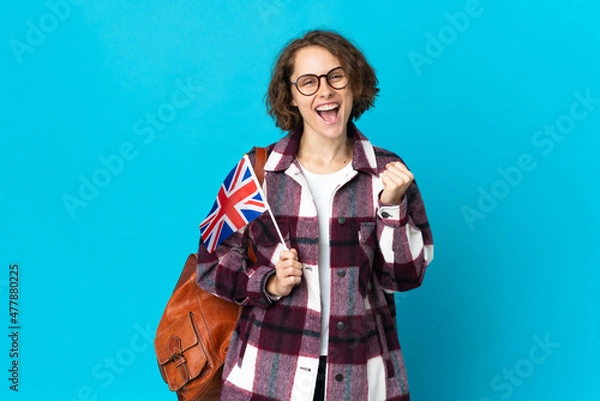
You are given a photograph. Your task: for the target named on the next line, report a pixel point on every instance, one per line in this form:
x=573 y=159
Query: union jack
x=239 y=201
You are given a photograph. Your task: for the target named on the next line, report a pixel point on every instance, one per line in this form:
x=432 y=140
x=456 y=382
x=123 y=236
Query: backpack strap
x=259 y=164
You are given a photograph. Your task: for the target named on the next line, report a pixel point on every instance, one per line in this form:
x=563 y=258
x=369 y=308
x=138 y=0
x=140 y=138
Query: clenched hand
x=396 y=178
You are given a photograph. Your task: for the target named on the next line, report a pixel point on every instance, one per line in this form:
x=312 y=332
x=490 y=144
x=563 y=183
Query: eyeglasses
x=308 y=84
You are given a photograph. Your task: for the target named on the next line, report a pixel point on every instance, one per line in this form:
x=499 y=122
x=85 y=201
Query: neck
x=324 y=155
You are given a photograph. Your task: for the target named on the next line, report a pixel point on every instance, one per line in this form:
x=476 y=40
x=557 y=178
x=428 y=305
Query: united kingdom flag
x=239 y=201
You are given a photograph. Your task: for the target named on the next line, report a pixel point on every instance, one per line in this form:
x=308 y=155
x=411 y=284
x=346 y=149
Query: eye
x=307 y=81
x=337 y=76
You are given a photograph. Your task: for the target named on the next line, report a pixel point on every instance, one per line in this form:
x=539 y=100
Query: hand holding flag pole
x=239 y=201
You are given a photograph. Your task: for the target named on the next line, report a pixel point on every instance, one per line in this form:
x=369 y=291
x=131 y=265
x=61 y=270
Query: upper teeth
x=327 y=107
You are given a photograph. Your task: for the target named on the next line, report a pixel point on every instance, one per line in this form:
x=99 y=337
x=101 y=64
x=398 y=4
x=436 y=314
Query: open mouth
x=329 y=112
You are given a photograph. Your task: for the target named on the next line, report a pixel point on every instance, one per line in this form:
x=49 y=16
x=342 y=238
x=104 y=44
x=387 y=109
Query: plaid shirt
x=375 y=251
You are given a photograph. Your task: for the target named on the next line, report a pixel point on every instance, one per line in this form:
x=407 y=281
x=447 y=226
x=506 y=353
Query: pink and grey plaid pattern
x=375 y=251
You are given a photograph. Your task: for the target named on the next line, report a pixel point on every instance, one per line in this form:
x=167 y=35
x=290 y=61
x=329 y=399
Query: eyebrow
x=314 y=73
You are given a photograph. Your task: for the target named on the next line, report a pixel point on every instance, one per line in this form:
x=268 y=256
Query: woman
x=318 y=316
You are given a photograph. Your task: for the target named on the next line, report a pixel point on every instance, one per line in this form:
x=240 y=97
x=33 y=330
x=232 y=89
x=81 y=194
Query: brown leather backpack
x=195 y=329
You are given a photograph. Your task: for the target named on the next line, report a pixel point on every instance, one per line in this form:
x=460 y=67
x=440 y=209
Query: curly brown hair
x=363 y=82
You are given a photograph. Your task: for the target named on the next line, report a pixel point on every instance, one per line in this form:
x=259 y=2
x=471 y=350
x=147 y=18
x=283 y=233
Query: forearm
x=227 y=273
x=405 y=243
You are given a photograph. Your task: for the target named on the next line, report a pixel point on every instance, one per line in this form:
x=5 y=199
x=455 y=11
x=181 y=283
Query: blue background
x=95 y=277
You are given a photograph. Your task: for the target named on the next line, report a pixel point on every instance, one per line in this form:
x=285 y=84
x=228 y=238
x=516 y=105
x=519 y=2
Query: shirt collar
x=284 y=152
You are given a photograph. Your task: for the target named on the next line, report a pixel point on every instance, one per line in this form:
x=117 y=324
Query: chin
x=335 y=131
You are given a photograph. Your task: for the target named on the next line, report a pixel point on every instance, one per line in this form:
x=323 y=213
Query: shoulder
x=368 y=157
x=384 y=156
x=252 y=152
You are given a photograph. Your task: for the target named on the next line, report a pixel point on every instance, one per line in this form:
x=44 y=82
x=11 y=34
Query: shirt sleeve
x=405 y=242
x=228 y=273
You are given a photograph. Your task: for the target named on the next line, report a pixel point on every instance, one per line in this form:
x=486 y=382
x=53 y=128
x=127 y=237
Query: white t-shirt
x=322 y=187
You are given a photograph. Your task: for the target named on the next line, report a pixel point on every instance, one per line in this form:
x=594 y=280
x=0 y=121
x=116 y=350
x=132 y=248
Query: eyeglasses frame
x=295 y=83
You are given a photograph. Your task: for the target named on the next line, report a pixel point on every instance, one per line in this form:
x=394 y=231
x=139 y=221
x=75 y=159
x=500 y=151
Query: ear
x=293 y=102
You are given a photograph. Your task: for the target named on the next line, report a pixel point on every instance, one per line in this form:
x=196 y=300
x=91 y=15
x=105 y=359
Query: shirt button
x=339 y=377
x=262 y=301
x=342 y=220
x=340 y=325
x=385 y=215
x=341 y=273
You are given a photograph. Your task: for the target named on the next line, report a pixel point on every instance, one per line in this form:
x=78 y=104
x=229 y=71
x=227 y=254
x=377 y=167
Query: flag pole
x=266 y=202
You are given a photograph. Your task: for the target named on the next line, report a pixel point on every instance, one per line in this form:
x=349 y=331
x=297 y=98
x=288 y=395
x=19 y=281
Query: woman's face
x=326 y=112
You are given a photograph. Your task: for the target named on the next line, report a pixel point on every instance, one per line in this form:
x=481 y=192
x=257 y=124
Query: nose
x=324 y=89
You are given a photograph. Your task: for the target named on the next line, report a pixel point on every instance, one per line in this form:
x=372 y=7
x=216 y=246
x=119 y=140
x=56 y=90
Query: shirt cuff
x=256 y=287
x=393 y=215
x=270 y=297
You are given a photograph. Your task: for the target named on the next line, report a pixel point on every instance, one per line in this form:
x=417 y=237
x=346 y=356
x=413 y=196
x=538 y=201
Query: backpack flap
x=180 y=354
